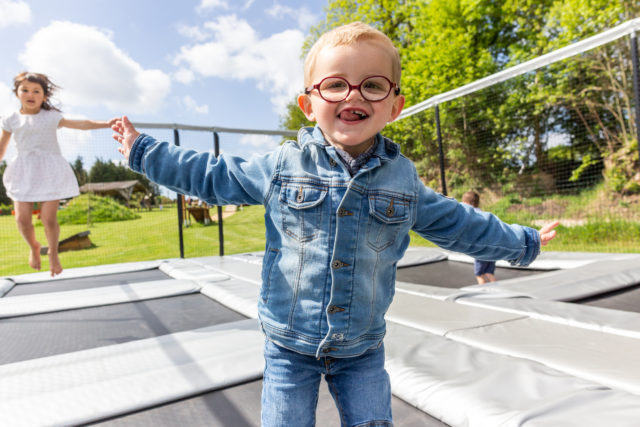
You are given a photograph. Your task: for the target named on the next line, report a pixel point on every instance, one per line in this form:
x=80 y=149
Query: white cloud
x=14 y=12
x=92 y=70
x=265 y=143
x=192 y=32
x=184 y=75
x=302 y=15
x=192 y=105
x=248 y=4
x=212 y=4
x=236 y=52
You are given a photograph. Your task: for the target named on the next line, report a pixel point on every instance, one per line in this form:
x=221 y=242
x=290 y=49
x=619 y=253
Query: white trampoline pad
x=467 y=386
x=90 y=385
x=66 y=300
x=606 y=359
x=441 y=317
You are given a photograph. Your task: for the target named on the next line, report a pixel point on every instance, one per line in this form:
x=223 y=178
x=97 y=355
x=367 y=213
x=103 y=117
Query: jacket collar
x=386 y=149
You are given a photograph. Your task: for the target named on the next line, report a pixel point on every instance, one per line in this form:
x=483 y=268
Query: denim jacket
x=332 y=240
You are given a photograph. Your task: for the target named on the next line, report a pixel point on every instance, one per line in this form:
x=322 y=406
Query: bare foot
x=54 y=264
x=34 y=257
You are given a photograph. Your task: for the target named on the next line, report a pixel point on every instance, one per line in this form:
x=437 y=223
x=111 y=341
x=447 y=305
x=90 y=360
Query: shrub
x=101 y=209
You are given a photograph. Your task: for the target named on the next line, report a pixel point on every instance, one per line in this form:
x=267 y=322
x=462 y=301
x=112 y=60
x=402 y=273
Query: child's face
x=353 y=123
x=31 y=96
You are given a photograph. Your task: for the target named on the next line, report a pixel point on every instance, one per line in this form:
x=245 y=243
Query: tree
x=604 y=103
x=79 y=171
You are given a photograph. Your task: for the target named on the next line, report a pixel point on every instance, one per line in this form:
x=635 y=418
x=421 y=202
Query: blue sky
x=228 y=63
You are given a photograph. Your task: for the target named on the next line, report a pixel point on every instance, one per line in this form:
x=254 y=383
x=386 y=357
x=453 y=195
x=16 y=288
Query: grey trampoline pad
x=87 y=282
x=239 y=406
x=30 y=337
x=452 y=274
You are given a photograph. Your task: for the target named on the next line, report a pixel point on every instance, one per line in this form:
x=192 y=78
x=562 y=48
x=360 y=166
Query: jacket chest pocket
x=388 y=216
x=301 y=206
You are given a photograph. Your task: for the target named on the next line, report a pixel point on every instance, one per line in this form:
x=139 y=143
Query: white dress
x=38 y=173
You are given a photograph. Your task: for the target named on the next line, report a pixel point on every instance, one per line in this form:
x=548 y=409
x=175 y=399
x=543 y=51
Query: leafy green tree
x=78 y=169
x=597 y=87
x=495 y=134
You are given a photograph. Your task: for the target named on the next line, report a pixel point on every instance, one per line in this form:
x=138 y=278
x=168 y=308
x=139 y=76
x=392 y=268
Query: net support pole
x=443 y=181
x=176 y=141
x=216 y=152
x=636 y=89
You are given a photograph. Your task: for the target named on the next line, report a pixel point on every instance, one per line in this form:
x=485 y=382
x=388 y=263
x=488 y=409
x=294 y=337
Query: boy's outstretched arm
x=126 y=135
x=547 y=233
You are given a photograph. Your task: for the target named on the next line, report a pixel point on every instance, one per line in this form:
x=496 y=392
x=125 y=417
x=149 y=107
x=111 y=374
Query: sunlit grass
x=155 y=236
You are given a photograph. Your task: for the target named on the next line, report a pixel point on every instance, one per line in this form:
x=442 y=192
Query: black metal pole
x=440 y=152
x=216 y=152
x=176 y=141
x=636 y=89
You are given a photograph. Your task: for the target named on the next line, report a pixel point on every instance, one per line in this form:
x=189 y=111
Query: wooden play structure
x=121 y=189
x=199 y=212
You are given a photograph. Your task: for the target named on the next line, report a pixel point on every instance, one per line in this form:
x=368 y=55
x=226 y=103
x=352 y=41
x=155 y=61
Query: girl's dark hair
x=48 y=87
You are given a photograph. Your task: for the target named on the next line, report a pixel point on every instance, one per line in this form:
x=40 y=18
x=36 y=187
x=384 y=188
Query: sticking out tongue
x=352 y=115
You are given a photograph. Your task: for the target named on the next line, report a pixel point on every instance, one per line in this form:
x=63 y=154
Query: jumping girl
x=39 y=173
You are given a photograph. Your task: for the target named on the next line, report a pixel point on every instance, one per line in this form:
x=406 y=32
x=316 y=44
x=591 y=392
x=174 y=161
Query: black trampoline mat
x=87 y=282
x=239 y=406
x=453 y=274
x=627 y=299
x=30 y=337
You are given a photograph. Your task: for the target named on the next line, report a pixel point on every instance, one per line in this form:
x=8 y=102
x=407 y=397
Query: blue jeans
x=359 y=386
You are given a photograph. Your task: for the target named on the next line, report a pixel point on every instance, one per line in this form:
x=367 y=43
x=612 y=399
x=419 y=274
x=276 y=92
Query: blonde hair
x=347 y=35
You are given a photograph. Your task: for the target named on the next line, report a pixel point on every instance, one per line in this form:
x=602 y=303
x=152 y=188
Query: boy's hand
x=547 y=233
x=126 y=135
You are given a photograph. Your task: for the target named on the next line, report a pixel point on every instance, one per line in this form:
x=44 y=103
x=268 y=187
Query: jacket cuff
x=137 y=151
x=531 y=249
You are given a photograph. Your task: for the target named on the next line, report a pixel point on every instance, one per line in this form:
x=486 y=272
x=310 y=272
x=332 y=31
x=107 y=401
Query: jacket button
x=332 y=162
x=337 y=264
x=342 y=212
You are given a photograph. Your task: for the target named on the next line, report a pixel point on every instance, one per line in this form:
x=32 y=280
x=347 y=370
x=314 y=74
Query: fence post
x=636 y=89
x=216 y=152
x=440 y=152
x=176 y=141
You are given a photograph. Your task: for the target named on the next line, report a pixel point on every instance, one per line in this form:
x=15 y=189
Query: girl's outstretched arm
x=86 y=124
x=4 y=143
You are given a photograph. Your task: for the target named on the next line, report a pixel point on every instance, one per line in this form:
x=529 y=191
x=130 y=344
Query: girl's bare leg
x=49 y=218
x=25 y=226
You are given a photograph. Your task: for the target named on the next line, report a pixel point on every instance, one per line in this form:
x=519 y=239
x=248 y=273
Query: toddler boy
x=340 y=201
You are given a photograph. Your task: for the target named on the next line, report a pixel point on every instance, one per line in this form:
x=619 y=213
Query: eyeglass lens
x=374 y=88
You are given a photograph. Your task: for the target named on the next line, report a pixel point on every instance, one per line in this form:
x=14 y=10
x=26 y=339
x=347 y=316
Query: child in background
x=339 y=201
x=484 y=270
x=39 y=173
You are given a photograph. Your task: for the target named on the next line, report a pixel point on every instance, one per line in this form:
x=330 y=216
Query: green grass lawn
x=155 y=236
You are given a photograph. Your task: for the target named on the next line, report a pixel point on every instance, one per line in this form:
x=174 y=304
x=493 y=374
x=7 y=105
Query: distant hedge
x=101 y=209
